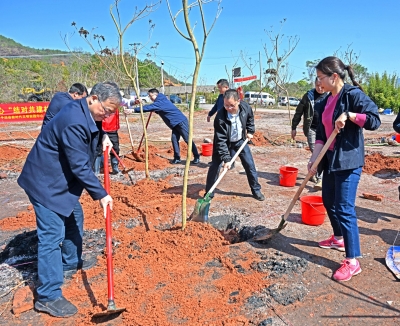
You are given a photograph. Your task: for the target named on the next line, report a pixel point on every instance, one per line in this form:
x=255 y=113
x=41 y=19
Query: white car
x=144 y=97
x=201 y=99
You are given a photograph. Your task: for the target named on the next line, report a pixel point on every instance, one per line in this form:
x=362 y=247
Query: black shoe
x=258 y=195
x=85 y=265
x=195 y=161
x=59 y=307
x=176 y=161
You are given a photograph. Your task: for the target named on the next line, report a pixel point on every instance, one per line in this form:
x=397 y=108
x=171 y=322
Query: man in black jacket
x=310 y=116
x=232 y=126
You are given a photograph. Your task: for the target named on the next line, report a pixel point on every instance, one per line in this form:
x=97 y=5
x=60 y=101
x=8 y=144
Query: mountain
x=8 y=47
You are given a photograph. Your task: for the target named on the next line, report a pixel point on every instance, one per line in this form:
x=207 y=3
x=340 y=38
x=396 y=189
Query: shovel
x=111 y=308
x=266 y=234
x=200 y=213
x=136 y=155
x=123 y=165
x=129 y=131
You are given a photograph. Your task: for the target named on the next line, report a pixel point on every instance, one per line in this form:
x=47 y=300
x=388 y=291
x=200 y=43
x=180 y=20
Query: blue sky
x=371 y=27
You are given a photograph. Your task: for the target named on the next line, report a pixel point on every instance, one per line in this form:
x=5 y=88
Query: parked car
x=144 y=97
x=175 y=99
x=293 y=101
x=201 y=100
x=260 y=98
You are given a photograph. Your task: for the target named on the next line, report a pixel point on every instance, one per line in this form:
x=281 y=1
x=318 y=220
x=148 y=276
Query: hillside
x=8 y=47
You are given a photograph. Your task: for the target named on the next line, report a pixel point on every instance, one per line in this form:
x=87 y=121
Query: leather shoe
x=176 y=161
x=85 y=265
x=59 y=307
x=195 y=161
x=258 y=195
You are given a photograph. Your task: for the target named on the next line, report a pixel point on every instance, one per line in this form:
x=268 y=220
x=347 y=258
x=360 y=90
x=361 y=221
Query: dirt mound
x=146 y=203
x=12 y=157
x=155 y=161
x=377 y=162
x=163 y=275
x=258 y=139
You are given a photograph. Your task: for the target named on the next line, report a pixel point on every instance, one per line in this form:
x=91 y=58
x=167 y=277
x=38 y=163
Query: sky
x=371 y=28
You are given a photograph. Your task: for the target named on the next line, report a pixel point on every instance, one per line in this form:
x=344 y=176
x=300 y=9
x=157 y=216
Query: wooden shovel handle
x=309 y=174
x=226 y=170
x=129 y=131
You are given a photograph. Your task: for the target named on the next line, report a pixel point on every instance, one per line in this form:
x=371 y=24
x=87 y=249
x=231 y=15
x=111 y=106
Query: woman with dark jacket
x=348 y=109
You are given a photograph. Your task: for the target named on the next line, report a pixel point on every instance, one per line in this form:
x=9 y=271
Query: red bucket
x=312 y=210
x=398 y=138
x=206 y=149
x=288 y=176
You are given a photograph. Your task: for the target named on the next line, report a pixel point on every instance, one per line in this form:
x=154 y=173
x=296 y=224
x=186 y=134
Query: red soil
x=12 y=158
x=258 y=139
x=161 y=277
x=377 y=162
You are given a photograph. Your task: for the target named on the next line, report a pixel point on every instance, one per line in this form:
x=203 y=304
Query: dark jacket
x=349 y=146
x=58 y=101
x=305 y=109
x=396 y=123
x=166 y=110
x=59 y=166
x=219 y=104
x=222 y=130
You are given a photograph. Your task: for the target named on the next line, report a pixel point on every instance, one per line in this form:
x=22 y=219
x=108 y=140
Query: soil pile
x=156 y=162
x=12 y=158
x=376 y=162
x=163 y=275
x=258 y=139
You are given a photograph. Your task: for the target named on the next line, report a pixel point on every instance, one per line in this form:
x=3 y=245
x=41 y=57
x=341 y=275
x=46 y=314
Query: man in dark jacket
x=61 y=99
x=223 y=86
x=174 y=119
x=56 y=171
x=310 y=116
x=231 y=127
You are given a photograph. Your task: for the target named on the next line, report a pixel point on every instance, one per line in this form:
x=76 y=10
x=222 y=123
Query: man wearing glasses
x=56 y=171
x=231 y=127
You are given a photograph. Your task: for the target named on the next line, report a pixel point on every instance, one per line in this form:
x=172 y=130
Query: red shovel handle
x=118 y=158
x=110 y=276
x=147 y=123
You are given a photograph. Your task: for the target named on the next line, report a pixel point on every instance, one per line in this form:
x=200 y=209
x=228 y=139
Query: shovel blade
x=269 y=233
x=108 y=312
x=200 y=212
x=137 y=157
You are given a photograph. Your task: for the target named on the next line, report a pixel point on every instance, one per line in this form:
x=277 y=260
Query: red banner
x=243 y=79
x=23 y=111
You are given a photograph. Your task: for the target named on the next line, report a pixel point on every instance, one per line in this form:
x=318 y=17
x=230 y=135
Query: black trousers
x=247 y=161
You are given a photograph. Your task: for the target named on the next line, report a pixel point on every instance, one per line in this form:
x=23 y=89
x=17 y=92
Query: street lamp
x=162 y=77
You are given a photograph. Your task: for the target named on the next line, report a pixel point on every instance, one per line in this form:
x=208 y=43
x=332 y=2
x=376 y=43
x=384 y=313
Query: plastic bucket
x=398 y=138
x=288 y=176
x=206 y=149
x=312 y=210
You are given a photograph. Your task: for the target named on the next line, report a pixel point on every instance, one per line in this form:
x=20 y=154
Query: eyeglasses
x=320 y=78
x=108 y=112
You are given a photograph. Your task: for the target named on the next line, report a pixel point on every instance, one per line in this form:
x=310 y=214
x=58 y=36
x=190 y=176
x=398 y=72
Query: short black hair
x=153 y=90
x=223 y=82
x=78 y=88
x=231 y=93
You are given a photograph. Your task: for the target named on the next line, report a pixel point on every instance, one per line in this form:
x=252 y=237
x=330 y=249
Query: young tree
x=278 y=71
x=199 y=54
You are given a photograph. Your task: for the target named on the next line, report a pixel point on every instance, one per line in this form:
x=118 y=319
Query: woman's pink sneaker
x=347 y=271
x=332 y=243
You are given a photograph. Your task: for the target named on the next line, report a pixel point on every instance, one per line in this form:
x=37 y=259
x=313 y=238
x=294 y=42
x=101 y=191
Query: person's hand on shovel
x=107 y=200
x=107 y=142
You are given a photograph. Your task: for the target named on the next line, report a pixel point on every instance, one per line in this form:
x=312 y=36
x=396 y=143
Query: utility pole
x=162 y=77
